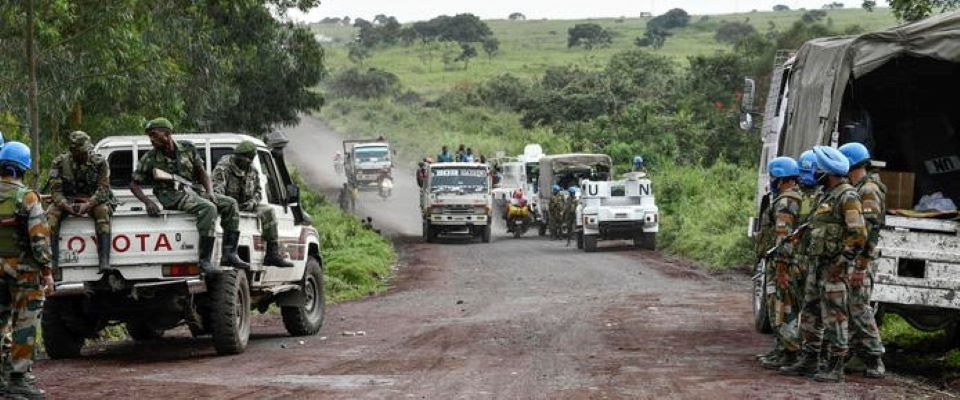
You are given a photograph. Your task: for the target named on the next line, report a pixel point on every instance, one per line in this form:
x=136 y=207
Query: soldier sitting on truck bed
x=234 y=178
x=182 y=159
x=80 y=185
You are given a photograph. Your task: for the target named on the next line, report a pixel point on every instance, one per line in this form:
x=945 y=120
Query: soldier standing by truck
x=233 y=177
x=556 y=212
x=838 y=235
x=785 y=272
x=24 y=265
x=569 y=218
x=864 y=335
x=182 y=158
x=81 y=176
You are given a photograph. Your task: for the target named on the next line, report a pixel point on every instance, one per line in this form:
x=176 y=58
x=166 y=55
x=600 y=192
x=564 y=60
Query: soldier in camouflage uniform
x=569 y=218
x=838 y=235
x=783 y=269
x=182 y=159
x=81 y=176
x=234 y=178
x=555 y=219
x=24 y=265
x=864 y=335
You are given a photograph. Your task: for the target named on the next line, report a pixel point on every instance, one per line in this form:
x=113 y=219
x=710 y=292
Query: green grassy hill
x=529 y=47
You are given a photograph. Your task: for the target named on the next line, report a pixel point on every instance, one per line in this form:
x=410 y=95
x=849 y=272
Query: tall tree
x=912 y=10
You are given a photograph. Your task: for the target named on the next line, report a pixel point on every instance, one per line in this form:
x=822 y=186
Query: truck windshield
x=372 y=154
x=468 y=180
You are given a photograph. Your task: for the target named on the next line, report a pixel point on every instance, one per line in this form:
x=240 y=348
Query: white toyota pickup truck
x=159 y=285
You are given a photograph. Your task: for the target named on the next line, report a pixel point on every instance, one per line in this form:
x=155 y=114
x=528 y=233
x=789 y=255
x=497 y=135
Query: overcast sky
x=415 y=10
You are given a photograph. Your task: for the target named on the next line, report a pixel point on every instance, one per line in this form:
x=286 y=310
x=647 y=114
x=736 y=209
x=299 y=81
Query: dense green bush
x=369 y=84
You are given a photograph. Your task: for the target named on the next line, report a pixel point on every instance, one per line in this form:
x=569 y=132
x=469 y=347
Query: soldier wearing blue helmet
x=864 y=335
x=782 y=267
x=838 y=235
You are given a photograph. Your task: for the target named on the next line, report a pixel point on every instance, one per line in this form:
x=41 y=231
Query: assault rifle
x=793 y=235
x=179 y=181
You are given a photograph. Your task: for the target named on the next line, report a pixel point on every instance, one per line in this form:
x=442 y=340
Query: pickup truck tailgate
x=137 y=240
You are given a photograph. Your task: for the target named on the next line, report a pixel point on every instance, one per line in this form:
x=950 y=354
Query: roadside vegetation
x=597 y=89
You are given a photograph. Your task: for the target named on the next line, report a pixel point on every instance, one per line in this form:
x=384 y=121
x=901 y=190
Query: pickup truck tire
x=646 y=241
x=230 y=312
x=59 y=340
x=589 y=243
x=308 y=318
x=761 y=317
x=141 y=331
x=485 y=234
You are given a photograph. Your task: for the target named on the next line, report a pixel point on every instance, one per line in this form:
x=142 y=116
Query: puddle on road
x=329 y=381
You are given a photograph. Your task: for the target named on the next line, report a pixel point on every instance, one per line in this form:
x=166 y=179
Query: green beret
x=246 y=148
x=159 y=123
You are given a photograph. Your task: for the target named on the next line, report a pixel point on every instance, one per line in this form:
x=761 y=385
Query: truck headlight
x=436 y=209
x=651 y=218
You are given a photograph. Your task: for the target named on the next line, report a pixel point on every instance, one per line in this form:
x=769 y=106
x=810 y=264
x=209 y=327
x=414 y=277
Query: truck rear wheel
x=761 y=318
x=59 y=340
x=230 y=312
x=590 y=243
x=308 y=318
x=646 y=241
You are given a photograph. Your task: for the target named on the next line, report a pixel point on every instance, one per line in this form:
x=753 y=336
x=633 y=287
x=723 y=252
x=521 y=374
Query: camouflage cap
x=158 y=123
x=246 y=148
x=79 y=140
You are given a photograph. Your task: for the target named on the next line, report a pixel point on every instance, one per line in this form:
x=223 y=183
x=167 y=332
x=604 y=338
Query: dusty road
x=517 y=319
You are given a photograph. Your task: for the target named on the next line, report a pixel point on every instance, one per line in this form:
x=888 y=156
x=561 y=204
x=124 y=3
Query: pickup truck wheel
x=308 y=318
x=646 y=241
x=58 y=339
x=590 y=243
x=141 y=331
x=230 y=312
x=485 y=235
x=761 y=318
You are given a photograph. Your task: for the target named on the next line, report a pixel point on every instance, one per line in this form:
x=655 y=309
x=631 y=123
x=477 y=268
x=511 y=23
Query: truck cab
x=366 y=161
x=456 y=199
x=158 y=286
x=621 y=209
x=899 y=101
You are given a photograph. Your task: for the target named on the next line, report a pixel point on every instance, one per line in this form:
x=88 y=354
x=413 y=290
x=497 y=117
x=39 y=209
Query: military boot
x=834 y=371
x=230 y=257
x=875 y=368
x=273 y=256
x=786 y=358
x=206 y=252
x=808 y=364
x=20 y=387
x=103 y=252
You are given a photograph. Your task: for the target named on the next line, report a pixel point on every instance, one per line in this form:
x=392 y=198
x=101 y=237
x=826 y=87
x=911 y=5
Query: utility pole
x=33 y=93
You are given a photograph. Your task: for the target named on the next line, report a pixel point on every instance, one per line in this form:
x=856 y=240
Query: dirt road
x=517 y=318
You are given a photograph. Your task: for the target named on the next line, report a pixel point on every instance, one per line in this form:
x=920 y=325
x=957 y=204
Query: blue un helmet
x=831 y=161
x=637 y=163
x=856 y=153
x=573 y=190
x=783 y=167
x=808 y=168
x=17 y=155
x=556 y=188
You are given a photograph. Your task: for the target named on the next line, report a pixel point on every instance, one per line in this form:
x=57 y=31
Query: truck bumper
x=458 y=220
x=187 y=286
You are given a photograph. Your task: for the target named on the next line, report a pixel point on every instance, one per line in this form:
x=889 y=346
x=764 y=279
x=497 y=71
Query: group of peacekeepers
x=80 y=186
x=823 y=225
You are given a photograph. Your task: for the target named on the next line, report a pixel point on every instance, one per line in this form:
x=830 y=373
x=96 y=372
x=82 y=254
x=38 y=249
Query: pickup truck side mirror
x=293 y=194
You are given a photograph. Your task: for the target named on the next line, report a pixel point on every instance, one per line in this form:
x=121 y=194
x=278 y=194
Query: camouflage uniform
x=785 y=271
x=24 y=259
x=184 y=163
x=837 y=235
x=864 y=335
x=244 y=187
x=569 y=218
x=555 y=218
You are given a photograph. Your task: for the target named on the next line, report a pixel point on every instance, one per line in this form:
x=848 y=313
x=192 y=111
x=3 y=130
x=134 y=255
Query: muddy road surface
x=522 y=318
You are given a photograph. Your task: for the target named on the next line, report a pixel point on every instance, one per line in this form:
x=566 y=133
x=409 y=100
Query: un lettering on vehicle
x=942 y=165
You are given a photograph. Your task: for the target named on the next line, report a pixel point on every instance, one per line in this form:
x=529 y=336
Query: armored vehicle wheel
x=141 y=331
x=761 y=318
x=59 y=339
x=590 y=243
x=485 y=234
x=308 y=318
x=230 y=312
x=646 y=241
